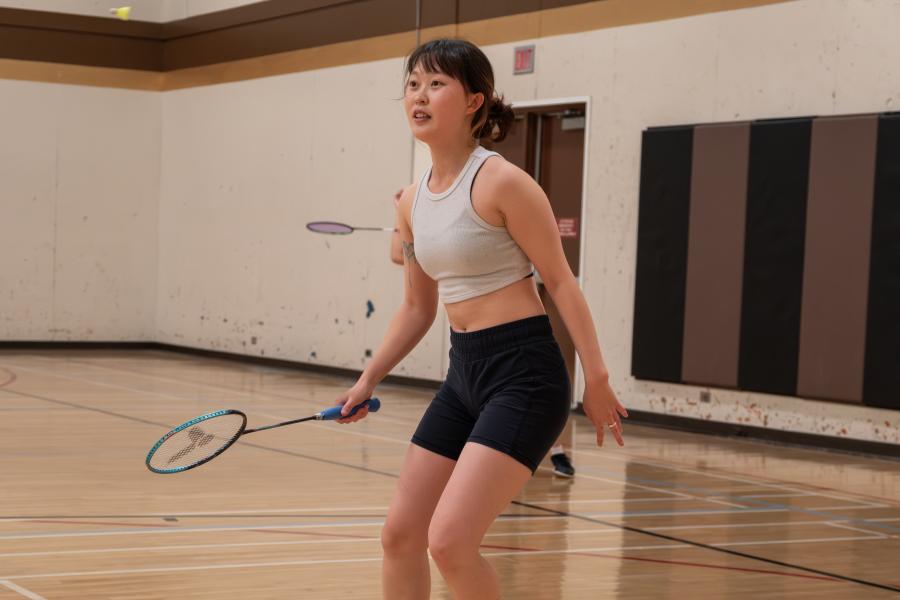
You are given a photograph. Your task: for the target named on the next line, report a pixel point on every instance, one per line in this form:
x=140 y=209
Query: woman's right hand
x=356 y=395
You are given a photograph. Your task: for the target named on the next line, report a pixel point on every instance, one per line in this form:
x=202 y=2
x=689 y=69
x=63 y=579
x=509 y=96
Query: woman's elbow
x=556 y=283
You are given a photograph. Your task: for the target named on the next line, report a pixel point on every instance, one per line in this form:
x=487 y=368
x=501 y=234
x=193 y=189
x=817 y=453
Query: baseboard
x=809 y=441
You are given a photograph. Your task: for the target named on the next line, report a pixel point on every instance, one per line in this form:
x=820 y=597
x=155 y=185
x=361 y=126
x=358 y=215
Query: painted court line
x=842 y=526
x=179 y=547
x=170 y=529
x=641 y=460
x=771 y=506
x=589 y=552
x=371 y=539
x=20 y=590
x=517 y=552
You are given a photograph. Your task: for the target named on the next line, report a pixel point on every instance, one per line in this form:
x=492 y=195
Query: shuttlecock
x=123 y=12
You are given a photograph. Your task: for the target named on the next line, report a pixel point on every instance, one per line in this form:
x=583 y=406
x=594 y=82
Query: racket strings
x=198 y=442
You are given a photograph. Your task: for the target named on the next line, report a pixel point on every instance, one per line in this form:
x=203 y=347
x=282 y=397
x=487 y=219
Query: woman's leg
x=405 y=570
x=481 y=486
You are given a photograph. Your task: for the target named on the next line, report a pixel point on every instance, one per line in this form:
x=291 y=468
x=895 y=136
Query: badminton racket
x=333 y=228
x=200 y=440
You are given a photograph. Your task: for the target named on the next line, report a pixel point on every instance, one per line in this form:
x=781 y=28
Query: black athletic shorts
x=507 y=388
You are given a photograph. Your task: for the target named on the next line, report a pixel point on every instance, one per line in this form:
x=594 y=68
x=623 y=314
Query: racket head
x=196 y=442
x=329 y=227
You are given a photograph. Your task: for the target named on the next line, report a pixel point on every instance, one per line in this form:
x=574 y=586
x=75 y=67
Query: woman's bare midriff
x=516 y=301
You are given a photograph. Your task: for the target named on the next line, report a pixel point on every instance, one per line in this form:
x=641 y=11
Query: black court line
x=673 y=538
x=515 y=502
x=169 y=427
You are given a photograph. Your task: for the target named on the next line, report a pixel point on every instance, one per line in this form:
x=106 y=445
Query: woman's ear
x=475 y=102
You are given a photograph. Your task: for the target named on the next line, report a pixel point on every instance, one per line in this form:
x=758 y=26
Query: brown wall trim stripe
x=836 y=258
x=712 y=311
x=267 y=38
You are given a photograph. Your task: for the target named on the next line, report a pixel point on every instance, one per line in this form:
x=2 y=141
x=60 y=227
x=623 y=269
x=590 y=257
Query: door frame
x=543 y=103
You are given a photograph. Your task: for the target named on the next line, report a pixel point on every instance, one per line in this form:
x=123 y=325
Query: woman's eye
x=436 y=83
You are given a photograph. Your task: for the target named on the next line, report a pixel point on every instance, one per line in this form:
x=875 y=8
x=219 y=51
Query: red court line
x=509 y=548
x=56 y=521
x=708 y=566
x=674 y=562
x=314 y=533
x=761 y=478
x=10 y=377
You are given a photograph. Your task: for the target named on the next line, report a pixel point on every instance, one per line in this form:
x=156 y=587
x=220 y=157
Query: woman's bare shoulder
x=499 y=178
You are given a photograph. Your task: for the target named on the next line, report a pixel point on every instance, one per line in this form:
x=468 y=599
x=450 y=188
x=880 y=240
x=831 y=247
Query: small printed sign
x=568 y=227
x=524 y=60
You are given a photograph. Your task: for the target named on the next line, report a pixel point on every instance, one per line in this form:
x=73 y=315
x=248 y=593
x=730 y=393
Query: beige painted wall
x=79 y=185
x=245 y=166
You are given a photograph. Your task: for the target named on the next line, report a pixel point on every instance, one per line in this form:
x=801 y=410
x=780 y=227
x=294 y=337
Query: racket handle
x=330 y=414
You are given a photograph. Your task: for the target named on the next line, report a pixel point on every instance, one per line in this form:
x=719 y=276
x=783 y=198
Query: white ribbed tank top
x=465 y=254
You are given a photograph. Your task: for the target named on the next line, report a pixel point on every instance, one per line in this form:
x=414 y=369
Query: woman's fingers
x=615 y=425
x=360 y=414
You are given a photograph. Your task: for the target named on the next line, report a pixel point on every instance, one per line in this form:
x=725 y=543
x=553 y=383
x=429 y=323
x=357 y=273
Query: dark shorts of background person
x=507 y=388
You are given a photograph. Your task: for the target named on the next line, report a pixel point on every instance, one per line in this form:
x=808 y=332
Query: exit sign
x=524 y=60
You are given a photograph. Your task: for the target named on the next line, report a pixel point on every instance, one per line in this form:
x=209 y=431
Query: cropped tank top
x=466 y=255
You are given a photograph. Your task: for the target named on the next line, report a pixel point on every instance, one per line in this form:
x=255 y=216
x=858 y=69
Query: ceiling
x=157 y=11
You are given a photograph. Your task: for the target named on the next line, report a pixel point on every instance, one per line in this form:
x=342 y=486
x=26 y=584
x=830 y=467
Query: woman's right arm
x=410 y=323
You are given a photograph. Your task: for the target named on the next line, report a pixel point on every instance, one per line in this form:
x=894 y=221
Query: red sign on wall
x=524 y=60
x=568 y=227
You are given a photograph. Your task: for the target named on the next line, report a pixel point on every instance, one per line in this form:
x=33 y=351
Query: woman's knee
x=450 y=547
x=399 y=538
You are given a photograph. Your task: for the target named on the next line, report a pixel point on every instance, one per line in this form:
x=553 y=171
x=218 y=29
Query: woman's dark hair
x=466 y=63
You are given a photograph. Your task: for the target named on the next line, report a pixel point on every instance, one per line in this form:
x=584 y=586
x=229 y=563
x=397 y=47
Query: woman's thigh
x=422 y=480
x=482 y=484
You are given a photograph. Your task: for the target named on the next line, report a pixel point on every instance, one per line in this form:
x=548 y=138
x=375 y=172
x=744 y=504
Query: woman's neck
x=448 y=160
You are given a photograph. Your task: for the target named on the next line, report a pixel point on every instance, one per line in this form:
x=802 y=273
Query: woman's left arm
x=530 y=221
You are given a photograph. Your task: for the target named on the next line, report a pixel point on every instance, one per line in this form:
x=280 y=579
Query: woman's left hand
x=604 y=410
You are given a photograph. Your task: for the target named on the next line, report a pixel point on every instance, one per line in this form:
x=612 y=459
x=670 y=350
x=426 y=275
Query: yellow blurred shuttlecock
x=123 y=12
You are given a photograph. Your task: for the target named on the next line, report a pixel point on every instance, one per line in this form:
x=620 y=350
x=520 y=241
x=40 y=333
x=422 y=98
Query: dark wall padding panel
x=768 y=258
x=836 y=258
x=712 y=313
x=773 y=256
x=882 y=370
x=662 y=253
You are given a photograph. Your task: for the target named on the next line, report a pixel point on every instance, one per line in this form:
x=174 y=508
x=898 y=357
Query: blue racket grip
x=330 y=414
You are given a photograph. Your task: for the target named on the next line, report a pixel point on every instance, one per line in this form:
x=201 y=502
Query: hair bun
x=500 y=117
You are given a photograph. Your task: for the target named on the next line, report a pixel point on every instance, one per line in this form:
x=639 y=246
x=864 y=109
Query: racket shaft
x=291 y=422
x=329 y=414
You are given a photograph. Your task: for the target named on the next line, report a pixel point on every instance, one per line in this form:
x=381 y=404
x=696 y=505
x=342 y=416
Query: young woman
x=472 y=230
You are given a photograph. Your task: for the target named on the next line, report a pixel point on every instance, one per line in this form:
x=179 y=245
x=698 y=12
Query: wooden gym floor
x=296 y=512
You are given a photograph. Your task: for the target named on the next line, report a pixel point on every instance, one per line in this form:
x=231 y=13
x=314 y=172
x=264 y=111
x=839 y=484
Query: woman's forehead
x=421 y=69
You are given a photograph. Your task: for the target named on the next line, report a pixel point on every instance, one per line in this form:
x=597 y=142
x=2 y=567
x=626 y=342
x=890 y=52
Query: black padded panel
x=881 y=381
x=773 y=256
x=662 y=253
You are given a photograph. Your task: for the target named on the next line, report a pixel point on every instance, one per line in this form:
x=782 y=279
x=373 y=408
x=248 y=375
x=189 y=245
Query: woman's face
x=437 y=106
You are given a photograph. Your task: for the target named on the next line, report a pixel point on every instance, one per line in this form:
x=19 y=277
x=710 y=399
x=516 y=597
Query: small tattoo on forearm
x=409 y=254
x=409 y=251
